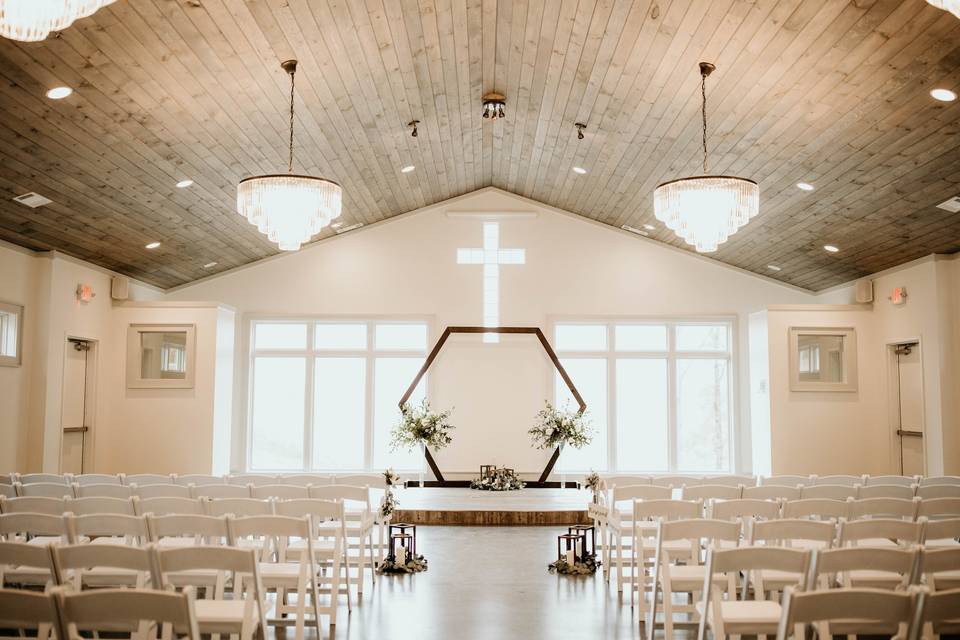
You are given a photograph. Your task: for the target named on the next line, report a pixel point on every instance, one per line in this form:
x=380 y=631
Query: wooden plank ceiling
x=834 y=93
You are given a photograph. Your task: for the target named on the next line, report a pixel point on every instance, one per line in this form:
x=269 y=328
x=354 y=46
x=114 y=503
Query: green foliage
x=418 y=425
x=560 y=427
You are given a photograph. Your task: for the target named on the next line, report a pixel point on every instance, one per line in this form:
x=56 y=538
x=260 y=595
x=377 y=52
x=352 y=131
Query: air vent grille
x=33 y=200
x=952 y=205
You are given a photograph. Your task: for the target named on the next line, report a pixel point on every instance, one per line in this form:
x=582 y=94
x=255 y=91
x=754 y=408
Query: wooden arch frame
x=535 y=331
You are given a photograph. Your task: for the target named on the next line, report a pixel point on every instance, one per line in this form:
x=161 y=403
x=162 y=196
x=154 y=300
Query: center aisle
x=488 y=582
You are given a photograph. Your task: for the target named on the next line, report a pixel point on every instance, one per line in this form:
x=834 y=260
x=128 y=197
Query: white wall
x=575 y=267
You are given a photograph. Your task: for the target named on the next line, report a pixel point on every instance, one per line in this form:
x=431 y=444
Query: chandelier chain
x=290 y=161
x=703 y=93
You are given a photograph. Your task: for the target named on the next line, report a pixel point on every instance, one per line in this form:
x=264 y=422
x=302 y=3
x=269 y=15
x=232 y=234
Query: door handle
x=910 y=434
x=76 y=429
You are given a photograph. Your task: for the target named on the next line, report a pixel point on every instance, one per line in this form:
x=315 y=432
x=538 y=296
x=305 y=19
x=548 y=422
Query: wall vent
x=952 y=205
x=33 y=200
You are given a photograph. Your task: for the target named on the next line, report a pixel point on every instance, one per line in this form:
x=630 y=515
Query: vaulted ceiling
x=833 y=93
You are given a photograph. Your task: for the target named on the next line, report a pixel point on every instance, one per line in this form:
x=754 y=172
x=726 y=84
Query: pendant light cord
x=703 y=92
x=290 y=162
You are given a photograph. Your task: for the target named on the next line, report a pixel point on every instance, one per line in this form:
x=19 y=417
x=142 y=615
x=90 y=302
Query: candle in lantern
x=571 y=557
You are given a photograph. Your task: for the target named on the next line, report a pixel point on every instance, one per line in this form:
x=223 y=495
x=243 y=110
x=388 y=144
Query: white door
x=910 y=377
x=72 y=416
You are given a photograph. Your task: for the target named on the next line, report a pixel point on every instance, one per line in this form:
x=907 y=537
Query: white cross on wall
x=491 y=256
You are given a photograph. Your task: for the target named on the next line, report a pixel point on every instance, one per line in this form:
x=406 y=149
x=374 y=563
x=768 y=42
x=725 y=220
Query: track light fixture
x=580 y=127
x=413 y=125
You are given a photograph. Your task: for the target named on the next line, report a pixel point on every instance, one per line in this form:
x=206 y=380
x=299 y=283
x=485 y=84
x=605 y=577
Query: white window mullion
x=673 y=400
x=369 y=373
x=308 y=410
x=611 y=401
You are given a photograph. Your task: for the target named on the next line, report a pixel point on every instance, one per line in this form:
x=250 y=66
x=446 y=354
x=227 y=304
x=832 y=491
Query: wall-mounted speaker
x=119 y=288
x=864 y=291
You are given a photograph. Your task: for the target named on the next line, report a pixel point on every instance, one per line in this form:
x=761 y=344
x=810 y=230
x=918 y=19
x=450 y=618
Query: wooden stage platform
x=467 y=507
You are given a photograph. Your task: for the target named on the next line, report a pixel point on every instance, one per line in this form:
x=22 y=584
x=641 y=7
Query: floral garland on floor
x=561 y=427
x=414 y=564
x=390 y=564
x=583 y=567
x=499 y=480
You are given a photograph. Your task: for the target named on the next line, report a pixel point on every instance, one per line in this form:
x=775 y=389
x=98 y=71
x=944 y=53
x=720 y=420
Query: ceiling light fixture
x=805 y=186
x=407 y=169
x=706 y=210
x=183 y=184
x=355 y=225
x=493 y=104
x=33 y=20
x=639 y=232
x=943 y=95
x=580 y=127
x=830 y=248
x=59 y=93
x=413 y=125
x=953 y=6
x=773 y=267
x=210 y=265
x=579 y=170
x=152 y=245
x=289 y=208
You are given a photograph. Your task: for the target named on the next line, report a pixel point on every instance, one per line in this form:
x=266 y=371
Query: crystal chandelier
x=33 y=20
x=706 y=210
x=493 y=104
x=953 y=6
x=288 y=208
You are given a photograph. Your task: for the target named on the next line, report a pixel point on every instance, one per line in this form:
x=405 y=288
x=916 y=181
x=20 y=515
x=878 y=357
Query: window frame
x=244 y=454
x=672 y=356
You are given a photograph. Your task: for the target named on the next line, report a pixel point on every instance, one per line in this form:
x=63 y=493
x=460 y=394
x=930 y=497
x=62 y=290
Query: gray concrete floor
x=487 y=582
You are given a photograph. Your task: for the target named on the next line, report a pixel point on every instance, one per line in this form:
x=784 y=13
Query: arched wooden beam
x=504 y=330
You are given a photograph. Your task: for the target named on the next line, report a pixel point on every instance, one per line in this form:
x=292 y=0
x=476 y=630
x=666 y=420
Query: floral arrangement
x=420 y=426
x=388 y=505
x=592 y=482
x=391 y=477
x=499 y=480
x=583 y=567
x=559 y=427
x=413 y=564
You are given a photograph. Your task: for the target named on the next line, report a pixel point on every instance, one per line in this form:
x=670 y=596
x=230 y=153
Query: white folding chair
x=929 y=491
x=787 y=480
x=849 y=611
x=760 y=616
x=164 y=506
x=707 y=492
x=220 y=491
x=940 y=568
x=98 y=566
x=871 y=567
x=885 y=508
x=44 y=490
x=33 y=478
x=626 y=480
x=829 y=492
x=903 y=481
x=887 y=491
x=940 y=614
x=881 y=532
x=930 y=508
x=618 y=525
x=938 y=480
x=33 y=528
x=239 y=507
x=103 y=491
x=671 y=577
x=305 y=479
x=790 y=534
x=279 y=491
x=8 y=491
x=772 y=492
x=358 y=526
x=816 y=508
x=127 y=609
x=676 y=481
x=185 y=530
x=94 y=506
x=242 y=613
x=274 y=534
x=845 y=480
x=731 y=480
x=646 y=515
x=107 y=528
x=198 y=479
x=745 y=511
x=161 y=491
x=85 y=479
x=939 y=534
x=31 y=614
x=143 y=479
x=256 y=479
x=49 y=506
x=26 y=565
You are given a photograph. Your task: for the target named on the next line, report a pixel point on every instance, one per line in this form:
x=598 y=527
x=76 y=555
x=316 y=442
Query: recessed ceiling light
x=336 y=225
x=773 y=267
x=153 y=245
x=408 y=168
x=579 y=170
x=804 y=186
x=944 y=95
x=58 y=93
x=649 y=227
x=183 y=184
x=209 y=265
x=830 y=248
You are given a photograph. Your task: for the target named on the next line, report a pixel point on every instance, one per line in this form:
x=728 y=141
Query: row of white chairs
x=734 y=480
x=785 y=492
x=54 y=490
x=300 y=553
x=371 y=479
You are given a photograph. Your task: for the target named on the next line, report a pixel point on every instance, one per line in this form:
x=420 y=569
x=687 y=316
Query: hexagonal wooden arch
x=506 y=330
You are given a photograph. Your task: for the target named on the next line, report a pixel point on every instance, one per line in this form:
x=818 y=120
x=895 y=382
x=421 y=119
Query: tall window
x=659 y=392
x=324 y=393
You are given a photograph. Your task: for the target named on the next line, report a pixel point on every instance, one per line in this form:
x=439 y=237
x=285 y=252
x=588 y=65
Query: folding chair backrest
x=822 y=509
x=787 y=480
x=937 y=508
x=828 y=562
x=903 y=481
x=8 y=491
x=69 y=558
x=887 y=491
x=626 y=481
x=16 y=525
x=934 y=561
x=305 y=479
x=33 y=478
x=675 y=481
x=884 y=507
x=839 y=479
x=373 y=480
x=829 y=492
x=745 y=508
x=201 y=557
x=217 y=491
x=91 y=506
x=903 y=532
x=319 y=510
x=282 y=491
x=49 y=506
x=862 y=611
x=697 y=530
x=942 y=530
x=103 y=491
x=21 y=554
x=787 y=531
x=240 y=507
x=143 y=479
x=161 y=491
x=85 y=479
x=667 y=509
x=731 y=480
x=207 y=529
x=278 y=528
x=111 y=525
x=164 y=506
x=772 y=492
x=26 y=610
x=711 y=492
x=107 y=609
x=44 y=490
x=640 y=492
x=755 y=558
x=936 y=480
x=342 y=492
x=198 y=479
x=939 y=491
x=941 y=609
x=256 y=479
